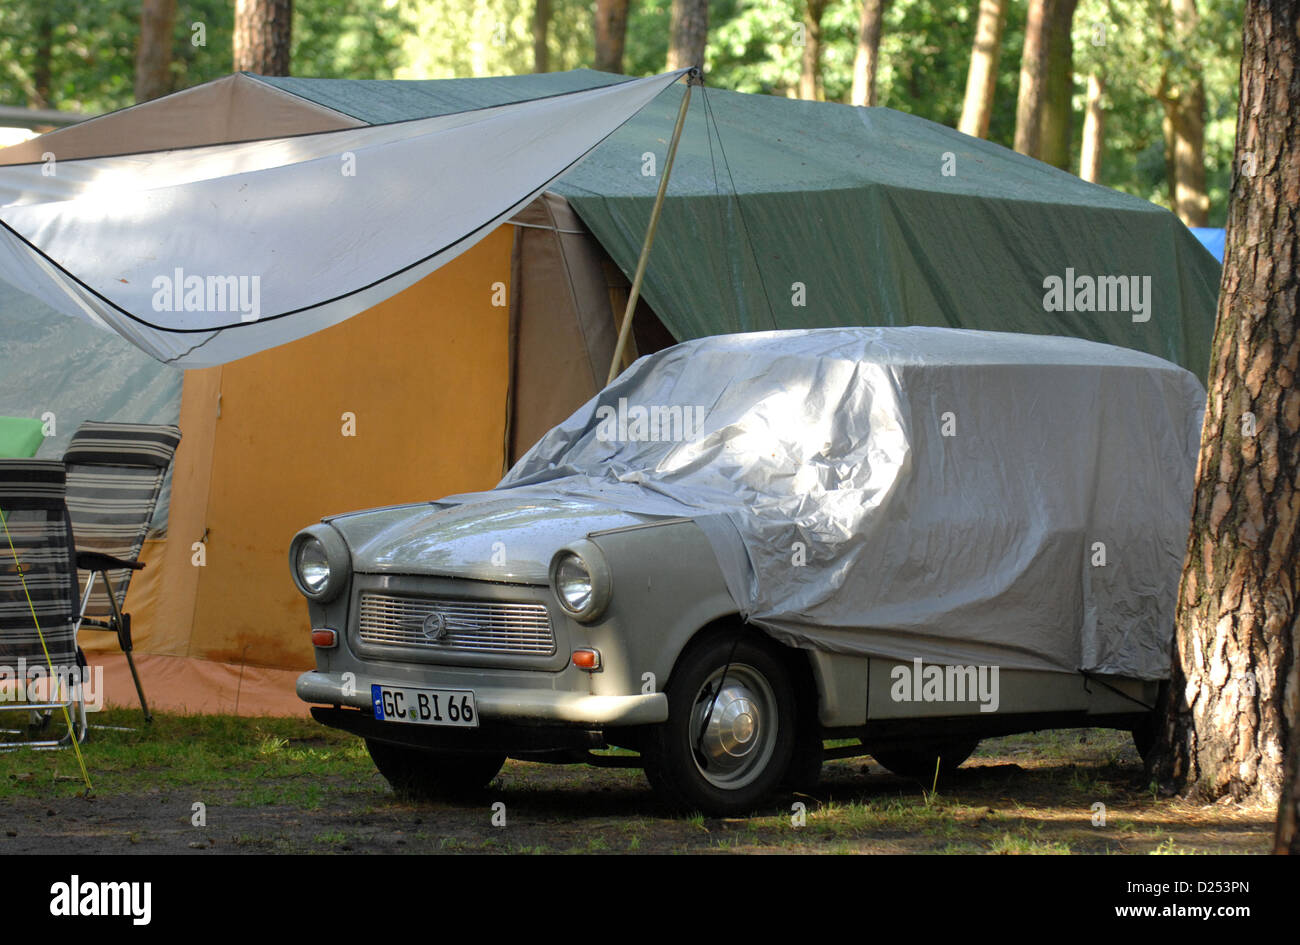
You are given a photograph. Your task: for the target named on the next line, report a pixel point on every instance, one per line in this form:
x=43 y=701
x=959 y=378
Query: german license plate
x=424 y=706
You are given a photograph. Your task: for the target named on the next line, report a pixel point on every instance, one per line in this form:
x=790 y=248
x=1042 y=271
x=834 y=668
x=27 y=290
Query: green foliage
x=1132 y=44
x=89 y=49
x=349 y=39
x=452 y=38
x=65 y=54
x=89 y=52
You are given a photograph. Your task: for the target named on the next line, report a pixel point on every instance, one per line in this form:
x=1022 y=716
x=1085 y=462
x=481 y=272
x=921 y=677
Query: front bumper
x=502 y=704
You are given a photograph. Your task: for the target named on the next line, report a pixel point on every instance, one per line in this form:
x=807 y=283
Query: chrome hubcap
x=739 y=735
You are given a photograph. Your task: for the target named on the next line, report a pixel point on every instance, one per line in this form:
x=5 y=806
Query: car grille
x=469 y=626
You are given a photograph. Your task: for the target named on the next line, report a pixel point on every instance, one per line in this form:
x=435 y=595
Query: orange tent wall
x=263 y=454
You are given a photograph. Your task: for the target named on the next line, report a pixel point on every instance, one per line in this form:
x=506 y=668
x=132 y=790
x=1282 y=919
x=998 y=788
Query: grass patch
x=293 y=785
x=251 y=761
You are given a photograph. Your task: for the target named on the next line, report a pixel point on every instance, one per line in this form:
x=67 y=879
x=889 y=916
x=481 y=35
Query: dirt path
x=1015 y=796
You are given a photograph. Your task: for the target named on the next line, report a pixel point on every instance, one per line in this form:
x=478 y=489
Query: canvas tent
x=840 y=216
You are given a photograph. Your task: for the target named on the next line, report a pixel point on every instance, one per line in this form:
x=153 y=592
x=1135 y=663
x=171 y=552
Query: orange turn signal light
x=587 y=659
x=325 y=639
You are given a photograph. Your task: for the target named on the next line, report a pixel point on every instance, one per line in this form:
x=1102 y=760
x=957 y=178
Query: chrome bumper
x=504 y=704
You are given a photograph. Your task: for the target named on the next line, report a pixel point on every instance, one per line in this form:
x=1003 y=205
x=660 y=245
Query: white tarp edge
x=203 y=255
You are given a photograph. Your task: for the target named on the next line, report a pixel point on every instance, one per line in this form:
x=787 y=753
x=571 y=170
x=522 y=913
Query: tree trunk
x=611 y=34
x=541 y=33
x=1186 y=149
x=153 y=54
x=867 y=60
x=42 y=68
x=1094 y=131
x=689 y=34
x=1235 y=681
x=263 y=31
x=1184 y=124
x=1033 y=78
x=1058 y=96
x=982 y=79
x=1046 y=83
x=810 y=72
x=1287 y=839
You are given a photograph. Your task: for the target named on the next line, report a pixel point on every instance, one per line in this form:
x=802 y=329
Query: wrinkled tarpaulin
x=202 y=255
x=978 y=547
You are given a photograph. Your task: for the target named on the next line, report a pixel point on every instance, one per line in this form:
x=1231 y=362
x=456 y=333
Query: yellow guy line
x=72 y=734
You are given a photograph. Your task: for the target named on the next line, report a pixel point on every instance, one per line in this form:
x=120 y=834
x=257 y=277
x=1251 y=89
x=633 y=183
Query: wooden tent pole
x=625 y=329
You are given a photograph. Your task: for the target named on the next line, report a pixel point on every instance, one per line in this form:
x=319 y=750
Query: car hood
x=493 y=540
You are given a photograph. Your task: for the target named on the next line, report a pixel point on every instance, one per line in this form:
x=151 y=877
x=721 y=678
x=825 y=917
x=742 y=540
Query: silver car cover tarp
x=960 y=497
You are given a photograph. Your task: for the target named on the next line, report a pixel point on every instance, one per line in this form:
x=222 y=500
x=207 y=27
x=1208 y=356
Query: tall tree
x=1043 y=109
x=689 y=34
x=866 y=61
x=541 y=36
x=263 y=31
x=1233 y=687
x=1181 y=92
x=810 y=67
x=982 y=79
x=1094 y=131
x=153 y=54
x=611 y=35
x=43 y=67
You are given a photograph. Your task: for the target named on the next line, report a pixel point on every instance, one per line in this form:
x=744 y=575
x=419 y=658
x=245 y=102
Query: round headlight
x=313 y=565
x=573 y=583
x=581 y=581
x=320 y=562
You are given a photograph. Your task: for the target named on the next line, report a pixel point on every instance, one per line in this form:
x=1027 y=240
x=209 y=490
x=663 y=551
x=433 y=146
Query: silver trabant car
x=901 y=539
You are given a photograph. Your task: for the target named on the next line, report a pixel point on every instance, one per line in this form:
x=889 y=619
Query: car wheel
x=920 y=763
x=434 y=774
x=730 y=734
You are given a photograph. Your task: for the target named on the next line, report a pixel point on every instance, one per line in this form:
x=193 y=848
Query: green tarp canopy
x=827 y=215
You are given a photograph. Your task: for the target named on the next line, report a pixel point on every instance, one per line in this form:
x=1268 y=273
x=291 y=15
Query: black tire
x=434 y=775
x=805 y=771
x=746 y=751
x=920 y=763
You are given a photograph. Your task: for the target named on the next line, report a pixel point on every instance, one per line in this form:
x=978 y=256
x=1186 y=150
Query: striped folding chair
x=38 y=598
x=115 y=473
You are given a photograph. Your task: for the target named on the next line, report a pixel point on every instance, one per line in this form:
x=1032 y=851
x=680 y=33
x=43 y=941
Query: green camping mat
x=20 y=437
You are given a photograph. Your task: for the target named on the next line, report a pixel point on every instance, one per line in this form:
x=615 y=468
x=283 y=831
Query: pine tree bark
x=153 y=53
x=263 y=35
x=810 y=71
x=689 y=34
x=1235 y=686
x=982 y=77
x=1043 y=109
x=866 y=62
x=1094 y=131
x=541 y=36
x=611 y=34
